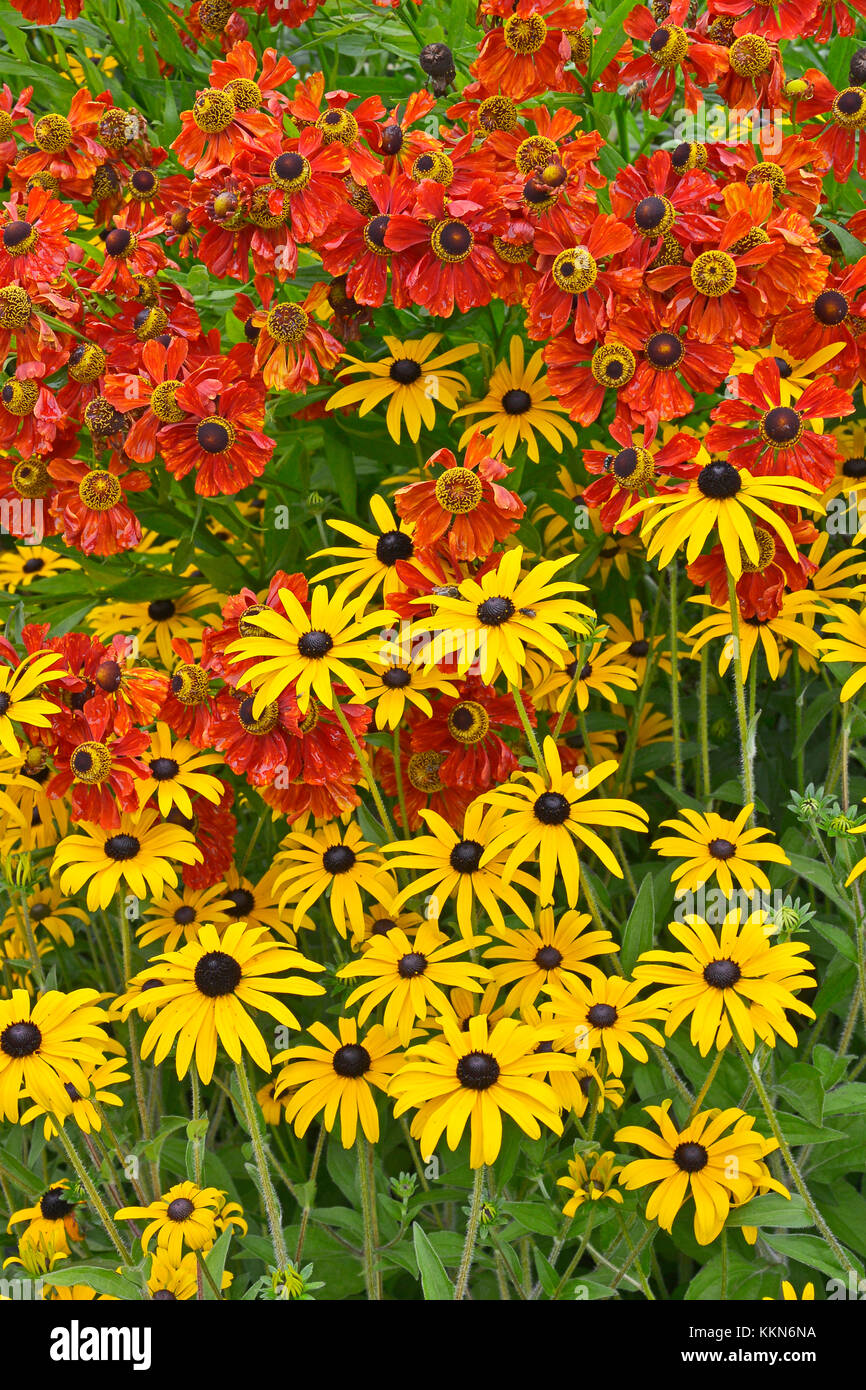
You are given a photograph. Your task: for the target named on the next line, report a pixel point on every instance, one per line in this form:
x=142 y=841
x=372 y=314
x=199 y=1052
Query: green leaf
x=434 y=1281
x=610 y=38
x=771 y=1210
x=534 y=1217
x=813 y=871
x=810 y=1251
x=846 y=1099
x=743 y=1278
x=21 y=1176
x=638 y=932
x=852 y=248
x=838 y=939
x=215 y=1259
x=96 y=1277
x=803 y=1087
x=732 y=791
x=798 y=1131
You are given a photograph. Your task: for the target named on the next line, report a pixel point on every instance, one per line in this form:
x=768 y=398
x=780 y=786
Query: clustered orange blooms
x=706 y=249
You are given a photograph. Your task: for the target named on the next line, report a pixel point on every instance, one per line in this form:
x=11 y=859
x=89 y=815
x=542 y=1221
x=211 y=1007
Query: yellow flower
x=410 y=379
x=590 y=1178
x=336 y=1077
x=711 y=846
x=518 y=402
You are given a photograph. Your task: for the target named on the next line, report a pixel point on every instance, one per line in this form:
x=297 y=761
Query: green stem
x=94 y=1197
x=398 y=778
x=746 y=753
x=272 y=1206
x=704 y=729
x=196 y=1115
x=648 y=1293
x=365 y=768
x=675 y=676
x=798 y=725
x=308 y=1204
x=529 y=732
x=369 y=1216
x=708 y=1081
x=471 y=1235
x=635 y=1250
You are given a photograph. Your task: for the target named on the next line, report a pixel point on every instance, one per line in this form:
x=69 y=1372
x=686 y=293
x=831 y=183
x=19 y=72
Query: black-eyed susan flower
x=172 y=1280
x=174 y=771
x=459 y=864
x=494 y=620
x=711 y=846
x=792 y=626
x=336 y=1078
x=411 y=379
x=474 y=1077
x=49 y=913
x=177 y=915
x=533 y=958
x=790 y=1295
x=590 y=1178
x=21 y=698
x=634 y=637
x=396 y=680
x=336 y=861
x=185 y=1215
x=137 y=855
x=101 y=1078
x=519 y=404
x=603 y=1013
x=308 y=651
x=410 y=977
x=45 y=1044
x=159 y=622
x=206 y=989
x=549 y=816
x=26 y=563
x=847 y=644
x=600 y=669
x=727 y=500
x=51 y=1222
x=738 y=981
x=372 y=560
x=716 y=1158
x=380 y=918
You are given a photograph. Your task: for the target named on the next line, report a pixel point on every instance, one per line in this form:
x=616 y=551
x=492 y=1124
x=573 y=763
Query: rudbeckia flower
x=51 y=1221
x=184 y=1215
x=173 y=771
x=136 y=855
x=517 y=404
x=474 y=1077
x=536 y=957
x=711 y=846
x=373 y=558
x=546 y=815
x=410 y=978
x=411 y=379
x=847 y=644
x=206 y=988
x=776 y=635
x=736 y=981
x=336 y=1077
x=178 y=915
x=603 y=1012
x=45 y=1045
x=21 y=698
x=335 y=861
x=716 y=1159
x=590 y=1178
x=101 y=1078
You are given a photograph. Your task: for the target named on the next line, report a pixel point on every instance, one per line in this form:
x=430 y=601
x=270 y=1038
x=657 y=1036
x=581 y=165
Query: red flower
x=839 y=122
x=465 y=730
x=129 y=254
x=423 y=789
x=236 y=74
x=35 y=248
x=576 y=287
x=400 y=145
x=292 y=345
x=14 y=116
x=215 y=130
x=833 y=316
x=711 y=293
x=670 y=50
x=762 y=586
x=30 y=414
x=761 y=434
x=66 y=148
x=214 y=828
x=21 y=323
x=455 y=263
x=101 y=766
x=670 y=366
x=329 y=112
x=221 y=438
x=783 y=19
x=355 y=244
x=580 y=375
x=466 y=505
x=525 y=56
x=634 y=471
x=90 y=506
x=661 y=205
x=152 y=391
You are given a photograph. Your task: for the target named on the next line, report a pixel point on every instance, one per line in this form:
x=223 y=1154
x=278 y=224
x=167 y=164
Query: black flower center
x=243 y=900
x=830 y=308
x=625 y=463
x=161 y=610
x=548 y=958
x=392 y=139
x=719 y=480
x=465 y=857
x=108 y=676
x=782 y=424
x=121 y=847
x=854 y=468
x=650 y=212
x=289 y=166
x=602 y=1016
x=117 y=241
x=351 y=1060
x=722 y=849
x=15 y=233
x=477 y=1071
x=639 y=648
x=20 y=1039
x=163 y=769
x=404 y=371
x=396 y=678
x=184 y=915
x=691 y=1158
x=516 y=401
x=664 y=349
x=339 y=859
x=217 y=974
x=411 y=965
x=181 y=1209
x=213 y=437
x=785 y=368
x=722 y=974
x=54 y=1205
x=394 y=546
x=493 y=612
x=552 y=808
x=314 y=645
x=375 y=231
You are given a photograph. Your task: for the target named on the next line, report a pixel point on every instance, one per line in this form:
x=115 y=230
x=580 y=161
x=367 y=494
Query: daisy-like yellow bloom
x=459 y=864
x=205 y=991
x=590 y=1177
x=336 y=1077
x=184 y=1215
x=177 y=1280
x=45 y=1045
x=410 y=379
x=257 y=904
x=850 y=479
x=396 y=679
x=51 y=1221
x=379 y=919
x=497 y=618
x=828 y=583
x=517 y=404
x=30 y=819
x=727 y=500
x=602 y=670
x=790 y=1295
x=848 y=644
x=596 y=1090
x=634 y=637
x=535 y=958
x=737 y=981
x=792 y=624
x=550 y=816
x=715 y=1159
x=795 y=373
x=101 y=1078
x=336 y=861
x=711 y=846
x=603 y=1013
x=19 y=567
x=474 y=1077
x=155 y=624
x=48 y=913
x=308 y=651
x=372 y=560
x=410 y=977
x=137 y=855
x=178 y=915
x=175 y=771
x=21 y=698
x=272 y=1109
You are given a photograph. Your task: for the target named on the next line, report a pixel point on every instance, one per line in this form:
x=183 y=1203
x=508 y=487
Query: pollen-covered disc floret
x=575 y=271
x=714 y=273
